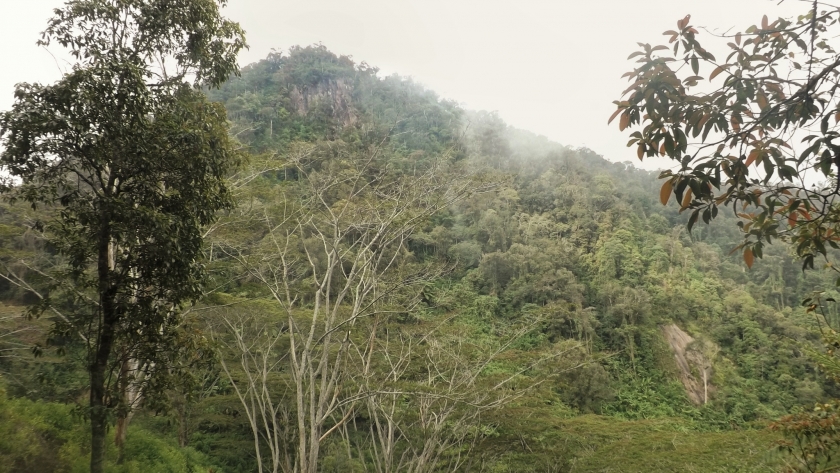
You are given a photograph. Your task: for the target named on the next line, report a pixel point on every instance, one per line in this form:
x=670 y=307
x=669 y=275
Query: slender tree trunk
x=98 y=407
x=120 y=431
x=98 y=417
x=183 y=426
x=102 y=351
x=128 y=395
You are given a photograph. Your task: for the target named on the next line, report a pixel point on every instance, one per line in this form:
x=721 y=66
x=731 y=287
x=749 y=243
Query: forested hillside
x=405 y=285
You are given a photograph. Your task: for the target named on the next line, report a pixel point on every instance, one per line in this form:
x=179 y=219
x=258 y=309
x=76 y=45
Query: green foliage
x=544 y=439
x=773 y=108
x=133 y=158
x=547 y=288
x=310 y=93
x=572 y=244
x=41 y=436
x=811 y=441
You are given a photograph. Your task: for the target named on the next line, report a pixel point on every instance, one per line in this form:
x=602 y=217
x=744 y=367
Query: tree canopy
x=133 y=159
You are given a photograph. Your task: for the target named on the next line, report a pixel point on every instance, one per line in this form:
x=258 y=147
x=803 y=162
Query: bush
x=51 y=437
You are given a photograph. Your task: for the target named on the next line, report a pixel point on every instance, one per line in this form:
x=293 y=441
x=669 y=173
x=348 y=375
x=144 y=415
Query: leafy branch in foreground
x=759 y=139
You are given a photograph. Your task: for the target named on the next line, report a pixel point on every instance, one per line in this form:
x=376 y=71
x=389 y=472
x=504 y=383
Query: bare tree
x=258 y=342
x=333 y=256
x=426 y=392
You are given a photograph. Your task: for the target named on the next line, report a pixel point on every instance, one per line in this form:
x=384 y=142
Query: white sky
x=549 y=66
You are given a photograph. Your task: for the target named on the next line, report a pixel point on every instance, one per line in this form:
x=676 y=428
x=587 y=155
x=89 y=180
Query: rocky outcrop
x=335 y=95
x=694 y=361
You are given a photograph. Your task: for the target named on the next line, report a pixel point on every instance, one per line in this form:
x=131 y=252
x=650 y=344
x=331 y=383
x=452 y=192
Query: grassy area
x=659 y=445
x=543 y=441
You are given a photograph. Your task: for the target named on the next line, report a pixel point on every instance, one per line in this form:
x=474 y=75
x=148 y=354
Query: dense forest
x=405 y=285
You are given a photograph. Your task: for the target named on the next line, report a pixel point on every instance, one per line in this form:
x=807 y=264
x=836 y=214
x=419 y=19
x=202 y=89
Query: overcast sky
x=549 y=66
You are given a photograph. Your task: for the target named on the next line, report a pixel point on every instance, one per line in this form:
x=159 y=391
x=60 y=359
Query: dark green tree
x=133 y=157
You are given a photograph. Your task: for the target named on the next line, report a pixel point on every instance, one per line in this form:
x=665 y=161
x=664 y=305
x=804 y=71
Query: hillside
x=484 y=300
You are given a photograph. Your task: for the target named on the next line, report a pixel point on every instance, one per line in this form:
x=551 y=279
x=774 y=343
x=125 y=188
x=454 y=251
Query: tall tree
x=134 y=157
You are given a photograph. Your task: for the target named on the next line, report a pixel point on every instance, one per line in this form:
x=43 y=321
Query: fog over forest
x=552 y=68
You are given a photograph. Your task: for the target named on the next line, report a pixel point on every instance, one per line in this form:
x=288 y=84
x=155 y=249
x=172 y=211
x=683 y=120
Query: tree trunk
x=128 y=396
x=102 y=351
x=121 y=430
x=98 y=418
x=122 y=417
x=183 y=423
x=98 y=406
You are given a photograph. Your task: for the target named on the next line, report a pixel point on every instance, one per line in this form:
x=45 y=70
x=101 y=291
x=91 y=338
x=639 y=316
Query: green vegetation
x=44 y=436
x=131 y=159
x=773 y=109
x=397 y=284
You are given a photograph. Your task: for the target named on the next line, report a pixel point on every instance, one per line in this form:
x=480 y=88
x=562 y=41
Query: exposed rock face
x=694 y=365
x=334 y=94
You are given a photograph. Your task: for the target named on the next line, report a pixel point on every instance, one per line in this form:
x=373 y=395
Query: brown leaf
x=624 y=122
x=633 y=86
x=665 y=192
x=749 y=258
x=686 y=199
x=792 y=219
x=615 y=114
x=703 y=120
x=717 y=71
x=752 y=157
x=736 y=122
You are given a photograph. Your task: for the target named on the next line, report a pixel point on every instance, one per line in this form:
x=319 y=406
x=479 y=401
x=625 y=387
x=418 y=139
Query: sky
x=552 y=67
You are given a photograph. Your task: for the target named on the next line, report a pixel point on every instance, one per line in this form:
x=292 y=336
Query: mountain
x=538 y=309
